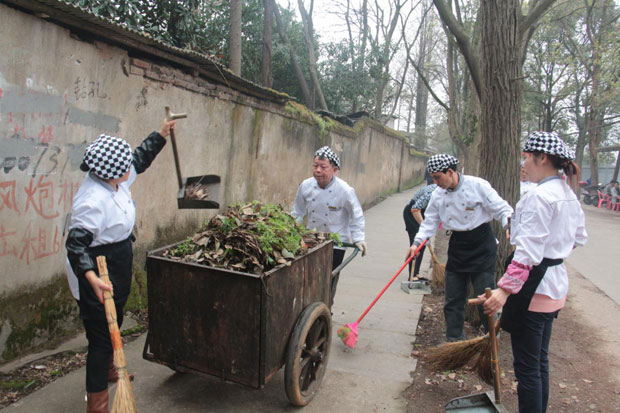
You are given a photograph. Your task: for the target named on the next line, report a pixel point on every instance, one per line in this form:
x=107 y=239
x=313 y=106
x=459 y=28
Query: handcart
x=243 y=327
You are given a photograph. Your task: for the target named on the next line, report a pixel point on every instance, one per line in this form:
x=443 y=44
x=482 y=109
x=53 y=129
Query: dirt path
x=584 y=369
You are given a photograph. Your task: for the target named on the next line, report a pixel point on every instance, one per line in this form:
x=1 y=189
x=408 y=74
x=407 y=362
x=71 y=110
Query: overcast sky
x=326 y=24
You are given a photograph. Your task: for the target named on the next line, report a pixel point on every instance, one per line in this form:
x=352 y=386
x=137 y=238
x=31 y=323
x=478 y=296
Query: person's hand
x=362 y=247
x=411 y=251
x=166 y=126
x=98 y=285
x=495 y=302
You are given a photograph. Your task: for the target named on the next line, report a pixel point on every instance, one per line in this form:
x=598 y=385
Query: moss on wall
x=38 y=318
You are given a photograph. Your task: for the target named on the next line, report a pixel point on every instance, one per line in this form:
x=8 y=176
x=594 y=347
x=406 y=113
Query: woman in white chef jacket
x=548 y=223
x=102 y=221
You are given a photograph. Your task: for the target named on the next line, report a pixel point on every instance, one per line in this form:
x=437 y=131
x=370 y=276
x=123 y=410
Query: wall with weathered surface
x=57 y=93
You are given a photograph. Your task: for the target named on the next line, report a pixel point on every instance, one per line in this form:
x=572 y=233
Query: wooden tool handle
x=433 y=255
x=176 y=158
x=494 y=351
x=175 y=153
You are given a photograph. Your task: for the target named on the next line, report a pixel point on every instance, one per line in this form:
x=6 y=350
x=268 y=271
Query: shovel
x=195 y=192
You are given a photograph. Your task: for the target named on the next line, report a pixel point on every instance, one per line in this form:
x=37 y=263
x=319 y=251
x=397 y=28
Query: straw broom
x=124 y=401
x=439 y=270
x=482 y=350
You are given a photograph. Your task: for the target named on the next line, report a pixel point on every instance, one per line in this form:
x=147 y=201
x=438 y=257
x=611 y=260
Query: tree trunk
x=386 y=59
x=617 y=167
x=235 y=37
x=501 y=103
x=421 y=96
x=306 y=18
x=303 y=85
x=409 y=113
x=266 y=74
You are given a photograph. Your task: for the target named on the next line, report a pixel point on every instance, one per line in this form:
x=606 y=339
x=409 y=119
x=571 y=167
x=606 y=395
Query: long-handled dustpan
x=489 y=401
x=195 y=192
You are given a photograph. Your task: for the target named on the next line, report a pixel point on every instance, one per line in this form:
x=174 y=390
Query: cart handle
x=348 y=259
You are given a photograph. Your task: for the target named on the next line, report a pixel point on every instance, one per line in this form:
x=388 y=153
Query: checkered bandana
x=548 y=142
x=440 y=162
x=326 y=153
x=108 y=157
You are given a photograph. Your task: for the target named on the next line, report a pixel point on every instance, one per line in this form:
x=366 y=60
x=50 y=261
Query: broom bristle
x=451 y=356
x=438 y=274
x=483 y=366
x=439 y=271
x=124 y=401
x=348 y=336
x=343 y=332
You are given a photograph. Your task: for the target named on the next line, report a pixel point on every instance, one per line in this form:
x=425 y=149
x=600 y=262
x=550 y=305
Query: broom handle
x=110 y=308
x=391 y=281
x=494 y=351
x=430 y=248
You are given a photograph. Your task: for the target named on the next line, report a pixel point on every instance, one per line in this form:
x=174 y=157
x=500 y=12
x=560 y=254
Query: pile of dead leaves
x=251 y=238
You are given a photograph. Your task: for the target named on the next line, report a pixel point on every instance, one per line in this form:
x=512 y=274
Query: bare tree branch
x=471 y=56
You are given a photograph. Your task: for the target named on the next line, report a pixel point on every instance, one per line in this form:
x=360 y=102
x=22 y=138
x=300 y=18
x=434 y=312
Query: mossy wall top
x=58 y=93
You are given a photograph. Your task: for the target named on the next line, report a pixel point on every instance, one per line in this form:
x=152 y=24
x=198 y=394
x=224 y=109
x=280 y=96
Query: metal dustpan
x=491 y=400
x=476 y=403
x=195 y=192
x=211 y=183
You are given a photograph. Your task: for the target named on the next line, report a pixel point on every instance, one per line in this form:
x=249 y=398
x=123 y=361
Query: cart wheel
x=308 y=353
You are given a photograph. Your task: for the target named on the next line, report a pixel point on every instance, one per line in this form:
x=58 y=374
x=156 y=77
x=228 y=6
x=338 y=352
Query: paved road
x=594 y=287
x=369 y=378
x=599 y=259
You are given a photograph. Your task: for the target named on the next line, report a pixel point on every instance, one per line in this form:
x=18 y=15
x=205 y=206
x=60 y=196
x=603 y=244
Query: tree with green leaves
x=593 y=43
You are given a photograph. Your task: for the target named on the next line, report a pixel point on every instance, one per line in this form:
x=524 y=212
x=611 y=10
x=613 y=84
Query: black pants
x=412 y=227
x=99 y=353
x=530 y=349
x=456 y=284
x=336 y=261
x=418 y=259
x=119 y=258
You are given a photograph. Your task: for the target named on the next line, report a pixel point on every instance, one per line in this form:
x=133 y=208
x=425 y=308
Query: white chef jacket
x=548 y=223
x=525 y=186
x=108 y=214
x=472 y=203
x=333 y=209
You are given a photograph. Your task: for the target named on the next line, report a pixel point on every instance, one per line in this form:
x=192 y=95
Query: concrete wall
x=57 y=93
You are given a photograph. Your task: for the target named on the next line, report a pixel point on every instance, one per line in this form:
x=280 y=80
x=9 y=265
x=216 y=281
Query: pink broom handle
x=415 y=254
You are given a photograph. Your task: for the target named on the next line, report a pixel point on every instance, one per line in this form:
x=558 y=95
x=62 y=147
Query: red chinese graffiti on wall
x=41 y=197
x=37 y=243
x=36 y=232
x=7 y=196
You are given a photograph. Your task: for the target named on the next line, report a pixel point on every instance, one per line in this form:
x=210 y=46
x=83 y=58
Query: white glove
x=362 y=247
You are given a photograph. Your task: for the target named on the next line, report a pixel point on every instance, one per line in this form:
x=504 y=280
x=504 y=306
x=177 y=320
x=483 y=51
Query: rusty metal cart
x=243 y=327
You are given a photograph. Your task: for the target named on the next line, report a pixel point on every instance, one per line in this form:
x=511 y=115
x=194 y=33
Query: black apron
x=472 y=251
x=517 y=304
x=119 y=260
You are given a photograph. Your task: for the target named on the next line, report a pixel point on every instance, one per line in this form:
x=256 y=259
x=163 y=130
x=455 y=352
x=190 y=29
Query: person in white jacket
x=102 y=222
x=465 y=205
x=548 y=223
x=330 y=205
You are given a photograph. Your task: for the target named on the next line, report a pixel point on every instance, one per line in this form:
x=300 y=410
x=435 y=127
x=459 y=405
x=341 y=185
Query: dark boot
x=97 y=402
x=113 y=373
